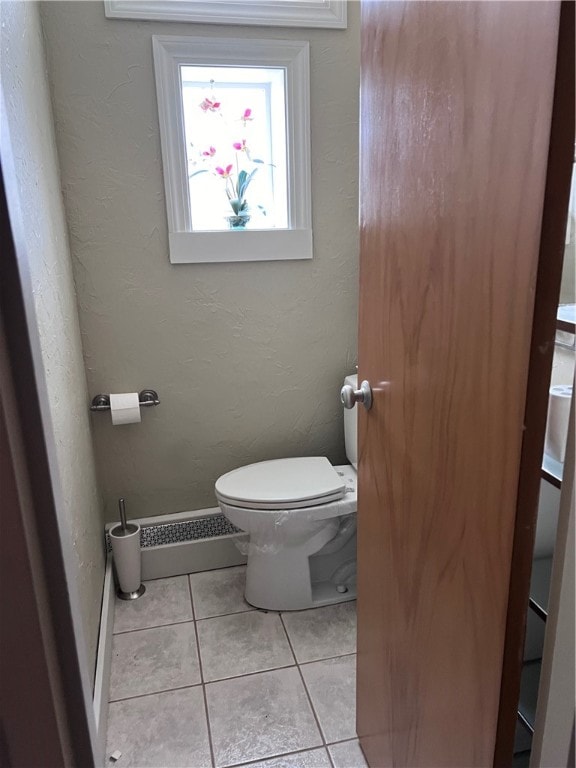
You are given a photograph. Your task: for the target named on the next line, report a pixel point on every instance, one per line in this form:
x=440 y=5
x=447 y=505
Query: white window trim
x=330 y=14
x=251 y=245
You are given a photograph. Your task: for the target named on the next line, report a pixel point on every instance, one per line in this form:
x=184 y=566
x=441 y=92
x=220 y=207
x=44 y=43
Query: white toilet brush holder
x=125 y=540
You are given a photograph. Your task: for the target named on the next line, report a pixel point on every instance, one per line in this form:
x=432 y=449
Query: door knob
x=350 y=396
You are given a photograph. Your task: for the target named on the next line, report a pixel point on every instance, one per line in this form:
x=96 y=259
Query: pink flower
x=240 y=146
x=246 y=116
x=224 y=173
x=209 y=152
x=210 y=106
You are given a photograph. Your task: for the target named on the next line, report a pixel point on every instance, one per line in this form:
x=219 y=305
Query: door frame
x=552 y=240
x=46 y=697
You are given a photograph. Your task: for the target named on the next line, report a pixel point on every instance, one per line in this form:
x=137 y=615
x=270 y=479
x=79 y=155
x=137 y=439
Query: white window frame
x=186 y=246
x=328 y=14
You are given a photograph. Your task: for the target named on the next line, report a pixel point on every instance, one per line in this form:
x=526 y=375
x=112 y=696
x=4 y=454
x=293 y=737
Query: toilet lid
x=282 y=484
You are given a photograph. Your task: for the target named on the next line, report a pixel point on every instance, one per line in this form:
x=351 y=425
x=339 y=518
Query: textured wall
x=26 y=93
x=247 y=358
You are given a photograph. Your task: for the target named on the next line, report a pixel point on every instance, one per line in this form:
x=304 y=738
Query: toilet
x=300 y=514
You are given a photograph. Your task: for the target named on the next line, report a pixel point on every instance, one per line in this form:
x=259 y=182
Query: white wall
x=29 y=116
x=248 y=358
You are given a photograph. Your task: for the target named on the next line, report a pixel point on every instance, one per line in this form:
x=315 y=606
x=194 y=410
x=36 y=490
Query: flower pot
x=239 y=221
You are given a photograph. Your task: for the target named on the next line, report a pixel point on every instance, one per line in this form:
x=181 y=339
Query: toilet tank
x=351 y=426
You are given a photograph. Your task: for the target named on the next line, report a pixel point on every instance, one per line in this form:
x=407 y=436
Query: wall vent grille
x=187 y=530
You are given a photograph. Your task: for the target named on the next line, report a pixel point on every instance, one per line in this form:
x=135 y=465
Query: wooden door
x=456 y=103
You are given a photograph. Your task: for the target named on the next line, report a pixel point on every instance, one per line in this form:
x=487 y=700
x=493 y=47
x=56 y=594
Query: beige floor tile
x=242 y=643
x=166 y=601
x=160 y=731
x=260 y=716
x=347 y=754
x=332 y=688
x=220 y=592
x=320 y=633
x=152 y=660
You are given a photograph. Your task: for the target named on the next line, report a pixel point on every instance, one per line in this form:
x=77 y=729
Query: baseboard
x=190 y=557
x=187 y=543
x=104 y=657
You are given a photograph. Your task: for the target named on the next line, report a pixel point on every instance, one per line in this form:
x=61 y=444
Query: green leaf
x=238 y=206
x=241 y=182
x=244 y=182
x=196 y=173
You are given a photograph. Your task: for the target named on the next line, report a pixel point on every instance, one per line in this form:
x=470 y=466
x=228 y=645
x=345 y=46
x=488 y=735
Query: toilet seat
x=282 y=484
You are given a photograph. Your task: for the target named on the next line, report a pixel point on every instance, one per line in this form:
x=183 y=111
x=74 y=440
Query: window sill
x=248 y=245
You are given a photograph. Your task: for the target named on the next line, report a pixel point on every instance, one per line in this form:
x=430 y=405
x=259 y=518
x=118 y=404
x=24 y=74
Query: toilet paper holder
x=145 y=398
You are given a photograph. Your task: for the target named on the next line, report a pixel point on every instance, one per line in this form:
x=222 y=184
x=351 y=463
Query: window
x=234 y=124
x=235 y=129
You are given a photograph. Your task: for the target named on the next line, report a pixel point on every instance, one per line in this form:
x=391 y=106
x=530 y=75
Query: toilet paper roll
x=557 y=424
x=125 y=408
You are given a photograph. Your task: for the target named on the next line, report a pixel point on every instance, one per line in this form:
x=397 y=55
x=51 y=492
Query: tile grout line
x=252 y=609
x=207 y=682
x=325 y=658
x=250 y=674
x=275 y=757
x=341 y=741
x=317 y=721
x=154 y=626
x=238 y=677
x=155 y=693
x=287 y=636
x=234 y=613
x=208 y=728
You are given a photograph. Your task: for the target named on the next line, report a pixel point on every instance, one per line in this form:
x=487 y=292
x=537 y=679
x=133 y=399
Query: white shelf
x=566 y=318
x=552 y=471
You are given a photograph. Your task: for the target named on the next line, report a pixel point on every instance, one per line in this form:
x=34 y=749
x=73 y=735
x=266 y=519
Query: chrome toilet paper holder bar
x=145 y=398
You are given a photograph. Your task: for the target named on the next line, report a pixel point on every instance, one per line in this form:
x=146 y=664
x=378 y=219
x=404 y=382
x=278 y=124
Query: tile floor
x=201 y=679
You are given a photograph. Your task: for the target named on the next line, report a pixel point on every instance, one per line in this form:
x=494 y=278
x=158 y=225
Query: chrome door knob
x=350 y=396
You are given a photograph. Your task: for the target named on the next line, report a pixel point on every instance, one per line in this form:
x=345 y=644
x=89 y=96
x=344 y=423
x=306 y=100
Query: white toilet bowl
x=301 y=518
x=292 y=508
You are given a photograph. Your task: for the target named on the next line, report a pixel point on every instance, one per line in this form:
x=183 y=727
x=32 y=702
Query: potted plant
x=237 y=175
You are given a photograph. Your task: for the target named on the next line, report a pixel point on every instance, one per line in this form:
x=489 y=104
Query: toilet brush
x=125 y=539
x=122 y=507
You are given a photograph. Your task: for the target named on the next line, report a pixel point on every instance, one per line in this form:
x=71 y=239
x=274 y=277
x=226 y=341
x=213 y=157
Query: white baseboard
x=190 y=557
x=104 y=657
